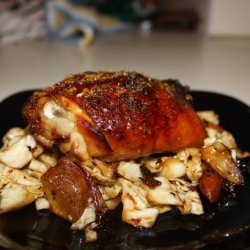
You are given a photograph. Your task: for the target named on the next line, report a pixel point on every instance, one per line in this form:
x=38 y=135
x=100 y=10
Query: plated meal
x=100 y=139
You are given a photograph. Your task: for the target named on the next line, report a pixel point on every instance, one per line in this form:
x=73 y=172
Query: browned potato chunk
x=69 y=188
x=219 y=158
x=210 y=186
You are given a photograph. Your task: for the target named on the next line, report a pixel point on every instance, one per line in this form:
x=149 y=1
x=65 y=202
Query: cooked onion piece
x=192 y=159
x=101 y=172
x=48 y=158
x=130 y=171
x=41 y=203
x=19 y=148
x=11 y=134
x=87 y=222
x=136 y=209
x=17 y=189
x=173 y=168
x=153 y=164
x=17 y=154
x=209 y=116
x=192 y=204
x=38 y=167
x=215 y=132
x=163 y=194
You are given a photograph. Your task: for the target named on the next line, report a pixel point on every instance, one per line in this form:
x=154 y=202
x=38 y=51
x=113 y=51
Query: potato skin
x=219 y=158
x=69 y=188
x=210 y=186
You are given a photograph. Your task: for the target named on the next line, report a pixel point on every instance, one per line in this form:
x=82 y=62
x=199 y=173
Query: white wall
x=229 y=18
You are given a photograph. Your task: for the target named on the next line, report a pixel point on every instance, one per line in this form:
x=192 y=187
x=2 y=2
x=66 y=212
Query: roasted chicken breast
x=113 y=116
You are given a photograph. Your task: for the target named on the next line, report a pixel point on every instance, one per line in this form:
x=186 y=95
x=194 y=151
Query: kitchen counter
x=219 y=64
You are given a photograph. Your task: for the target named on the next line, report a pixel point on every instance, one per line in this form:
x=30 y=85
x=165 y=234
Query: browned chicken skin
x=113 y=116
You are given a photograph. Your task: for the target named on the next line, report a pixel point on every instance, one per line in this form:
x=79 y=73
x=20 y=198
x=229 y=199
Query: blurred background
x=203 y=43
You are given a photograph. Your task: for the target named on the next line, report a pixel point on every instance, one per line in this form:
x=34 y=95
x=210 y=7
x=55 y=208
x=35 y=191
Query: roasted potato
x=69 y=189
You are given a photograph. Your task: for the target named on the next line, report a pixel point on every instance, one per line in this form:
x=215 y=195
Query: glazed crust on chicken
x=113 y=116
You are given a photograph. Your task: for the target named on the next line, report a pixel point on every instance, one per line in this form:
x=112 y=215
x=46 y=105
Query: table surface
x=212 y=64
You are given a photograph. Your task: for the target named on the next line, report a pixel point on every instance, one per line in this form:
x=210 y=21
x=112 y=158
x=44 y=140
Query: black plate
x=224 y=225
